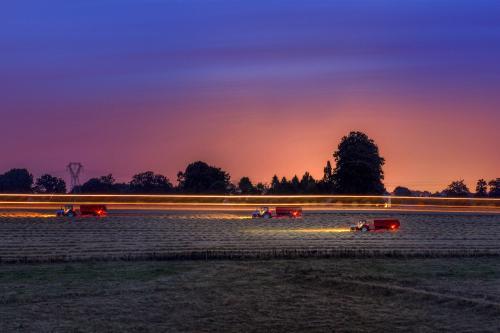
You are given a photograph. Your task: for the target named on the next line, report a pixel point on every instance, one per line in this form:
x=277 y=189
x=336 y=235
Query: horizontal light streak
x=322 y=230
x=260 y=197
x=221 y=204
x=25 y=214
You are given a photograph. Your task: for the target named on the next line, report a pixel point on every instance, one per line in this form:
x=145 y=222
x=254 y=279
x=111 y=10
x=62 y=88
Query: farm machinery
x=376 y=225
x=84 y=210
x=266 y=213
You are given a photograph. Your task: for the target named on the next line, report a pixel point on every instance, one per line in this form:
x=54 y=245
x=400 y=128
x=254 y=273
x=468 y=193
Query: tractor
x=85 y=210
x=376 y=225
x=266 y=213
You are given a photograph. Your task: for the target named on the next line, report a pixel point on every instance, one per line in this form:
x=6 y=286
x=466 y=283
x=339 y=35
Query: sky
x=257 y=87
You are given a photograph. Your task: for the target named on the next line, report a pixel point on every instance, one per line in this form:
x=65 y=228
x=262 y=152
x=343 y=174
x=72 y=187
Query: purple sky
x=128 y=86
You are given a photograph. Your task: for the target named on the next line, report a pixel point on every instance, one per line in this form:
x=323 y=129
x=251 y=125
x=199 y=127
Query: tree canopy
x=199 y=177
x=457 y=189
x=246 y=187
x=149 y=182
x=359 y=166
x=50 y=184
x=402 y=191
x=494 y=185
x=481 y=188
x=16 y=181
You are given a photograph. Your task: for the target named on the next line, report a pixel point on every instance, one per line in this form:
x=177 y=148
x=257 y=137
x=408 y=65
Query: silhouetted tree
x=16 y=181
x=326 y=184
x=457 y=189
x=295 y=185
x=494 y=191
x=481 y=188
x=359 y=166
x=50 y=184
x=199 y=177
x=308 y=184
x=275 y=185
x=246 y=186
x=402 y=191
x=101 y=185
x=285 y=186
x=149 y=182
x=261 y=188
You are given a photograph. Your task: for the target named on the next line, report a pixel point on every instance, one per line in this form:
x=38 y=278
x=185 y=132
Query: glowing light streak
x=235 y=197
x=322 y=230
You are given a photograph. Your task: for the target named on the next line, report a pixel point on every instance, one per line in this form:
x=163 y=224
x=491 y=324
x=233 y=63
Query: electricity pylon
x=74 y=169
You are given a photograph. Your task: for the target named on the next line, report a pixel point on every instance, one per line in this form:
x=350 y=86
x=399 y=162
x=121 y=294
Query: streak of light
x=25 y=214
x=263 y=197
x=302 y=230
x=221 y=204
x=322 y=230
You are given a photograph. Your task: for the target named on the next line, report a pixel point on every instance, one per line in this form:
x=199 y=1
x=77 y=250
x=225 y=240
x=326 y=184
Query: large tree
x=199 y=177
x=457 y=189
x=50 y=184
x=16 y=181
x=149 y=182
x=359 y=166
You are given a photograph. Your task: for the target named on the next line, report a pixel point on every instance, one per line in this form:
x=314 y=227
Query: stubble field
x=200 y=235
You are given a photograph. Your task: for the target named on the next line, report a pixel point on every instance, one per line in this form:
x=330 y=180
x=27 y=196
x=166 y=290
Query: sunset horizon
x=254 y=89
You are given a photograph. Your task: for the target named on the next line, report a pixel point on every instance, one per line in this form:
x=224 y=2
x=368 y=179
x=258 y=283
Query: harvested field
x=197 y=235
x=313 y=295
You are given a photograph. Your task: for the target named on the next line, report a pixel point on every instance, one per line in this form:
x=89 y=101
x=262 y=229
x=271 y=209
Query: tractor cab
x=262 y=212
x=67 y=210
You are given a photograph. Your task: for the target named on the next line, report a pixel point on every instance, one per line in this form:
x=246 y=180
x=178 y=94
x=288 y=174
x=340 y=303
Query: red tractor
x=85 y=210
x=266 y=213
x=376 y=225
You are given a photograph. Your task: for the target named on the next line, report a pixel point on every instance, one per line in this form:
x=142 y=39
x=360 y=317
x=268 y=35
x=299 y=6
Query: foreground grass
x=446 y=294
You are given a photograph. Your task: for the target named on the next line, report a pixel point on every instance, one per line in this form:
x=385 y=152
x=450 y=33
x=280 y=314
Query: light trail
x=244 y=204
x=322 y=230
x=241 y=208
x=297 y=231
x=26 y=214
x=260 y=197
x=234 y=202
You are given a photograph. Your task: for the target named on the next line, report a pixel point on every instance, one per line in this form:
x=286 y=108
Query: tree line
x=457 y=189
x=357 y=170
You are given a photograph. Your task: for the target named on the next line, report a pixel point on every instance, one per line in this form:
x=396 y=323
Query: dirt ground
x=314 y=295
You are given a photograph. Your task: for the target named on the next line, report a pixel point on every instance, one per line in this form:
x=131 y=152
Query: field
x=129 y=272
x=314 y=295
x=38 y=237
